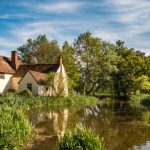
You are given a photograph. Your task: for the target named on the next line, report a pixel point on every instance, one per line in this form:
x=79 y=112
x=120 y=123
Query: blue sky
x=111 y=20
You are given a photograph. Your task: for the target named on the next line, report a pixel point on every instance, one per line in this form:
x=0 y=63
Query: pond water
x=119 y=130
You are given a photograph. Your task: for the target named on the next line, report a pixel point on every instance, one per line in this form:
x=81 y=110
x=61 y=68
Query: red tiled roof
x=5 y=65
x=38 y=76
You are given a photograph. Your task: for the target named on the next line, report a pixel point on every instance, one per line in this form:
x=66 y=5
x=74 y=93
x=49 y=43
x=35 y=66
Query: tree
x=39 y=50
x=109 y=61
x=96 y=61
x=89 y=58
x=147 y=65
x=130 y=67
x=69 y=61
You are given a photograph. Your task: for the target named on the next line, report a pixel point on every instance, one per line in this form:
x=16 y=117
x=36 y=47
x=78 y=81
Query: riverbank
x=14 y=107
x=25 y=102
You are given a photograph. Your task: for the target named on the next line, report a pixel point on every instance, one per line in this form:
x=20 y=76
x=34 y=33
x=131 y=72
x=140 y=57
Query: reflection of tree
x=118 y=130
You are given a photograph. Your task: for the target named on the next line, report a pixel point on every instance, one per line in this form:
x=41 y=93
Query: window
x=29 y=86
x=2 y=76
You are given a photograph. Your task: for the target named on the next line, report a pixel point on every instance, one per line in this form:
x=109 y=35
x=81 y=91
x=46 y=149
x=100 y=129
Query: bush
x=14 y=128
x=146 y=101
x=140 y=102
x=80 y=138
x=26 y=93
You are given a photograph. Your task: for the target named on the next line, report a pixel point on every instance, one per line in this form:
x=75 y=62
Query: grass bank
x=25 y=102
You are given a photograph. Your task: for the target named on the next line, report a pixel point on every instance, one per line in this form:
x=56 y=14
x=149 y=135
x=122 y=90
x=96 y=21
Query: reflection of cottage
x=14 y=75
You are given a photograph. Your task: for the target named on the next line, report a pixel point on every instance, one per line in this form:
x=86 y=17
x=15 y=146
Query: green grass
x=15 y=128
x=80 y=138
x=25 y=102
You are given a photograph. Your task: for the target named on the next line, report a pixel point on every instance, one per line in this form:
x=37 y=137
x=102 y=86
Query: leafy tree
x=142 y=83
x=89 y=58
x=109 y=61
x=130 y=67
x=96 y=60
x=39 y=50
x=69 y=61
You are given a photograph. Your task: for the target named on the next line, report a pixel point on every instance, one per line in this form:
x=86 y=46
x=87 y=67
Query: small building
x=14 y=75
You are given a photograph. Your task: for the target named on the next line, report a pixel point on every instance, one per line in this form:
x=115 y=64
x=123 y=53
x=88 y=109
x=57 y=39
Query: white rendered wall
x=61 y=82
x=5 y=83
x=28 y=78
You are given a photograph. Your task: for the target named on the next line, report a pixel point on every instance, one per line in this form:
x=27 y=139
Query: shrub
x=80 y=138
x=14 y=128
x=26 y=93
x=140 y=102
x=146 y=101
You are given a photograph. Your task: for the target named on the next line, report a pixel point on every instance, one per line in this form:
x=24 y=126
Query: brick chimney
x=14 y=60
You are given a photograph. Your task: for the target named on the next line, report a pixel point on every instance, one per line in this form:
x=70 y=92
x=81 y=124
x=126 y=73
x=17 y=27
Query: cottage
x=14 y=75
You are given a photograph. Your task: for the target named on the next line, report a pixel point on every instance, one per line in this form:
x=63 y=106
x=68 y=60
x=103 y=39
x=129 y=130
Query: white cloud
x=57 y=7
x=4 y=42
x=133 y=15
x=60 y=7
x=129 y=11
x=32 y=30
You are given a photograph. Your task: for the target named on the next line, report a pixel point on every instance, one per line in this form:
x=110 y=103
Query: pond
x=119 y=130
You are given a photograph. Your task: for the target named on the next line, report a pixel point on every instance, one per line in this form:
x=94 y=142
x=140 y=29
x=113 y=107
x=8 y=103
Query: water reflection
x=119 y=129
x=49 y=127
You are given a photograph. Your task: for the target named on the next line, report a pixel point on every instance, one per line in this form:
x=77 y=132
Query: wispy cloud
x=57 y=7
x=7 y=43
x=110 y=20
x=53 y=29
x=132 y=20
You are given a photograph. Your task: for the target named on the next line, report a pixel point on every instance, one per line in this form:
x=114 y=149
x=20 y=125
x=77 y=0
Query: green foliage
x=26 y=93
x=140 y=102
x=146 y=101
x=130 y=67
x=50 y=79
x=141 y=84
x=88 y=55
x=80 y=138
x=69 y=61
x=24 y=102
x=15 y=128
x=95 y=60
x=39 y=50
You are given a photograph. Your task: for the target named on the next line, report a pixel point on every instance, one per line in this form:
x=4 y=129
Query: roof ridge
x=5 y=66
x=4 y=56
x=36 y=71
x=37 y=64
